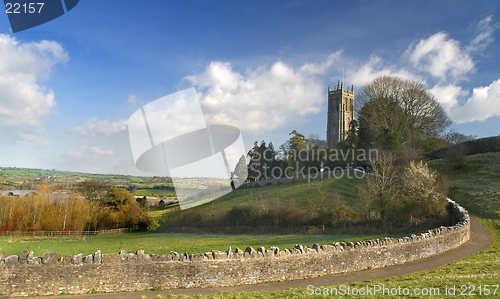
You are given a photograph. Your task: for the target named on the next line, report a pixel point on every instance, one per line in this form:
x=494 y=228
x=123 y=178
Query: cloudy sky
x=68 y=87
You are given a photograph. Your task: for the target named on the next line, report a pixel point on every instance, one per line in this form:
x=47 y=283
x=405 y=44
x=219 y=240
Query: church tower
x=340 y=113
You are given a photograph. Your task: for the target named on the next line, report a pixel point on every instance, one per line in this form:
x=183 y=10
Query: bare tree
x=313 y=140
x=403 y=108
x=456 y=138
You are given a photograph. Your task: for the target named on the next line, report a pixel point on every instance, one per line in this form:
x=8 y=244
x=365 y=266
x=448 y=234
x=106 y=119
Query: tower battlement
x=340 y=113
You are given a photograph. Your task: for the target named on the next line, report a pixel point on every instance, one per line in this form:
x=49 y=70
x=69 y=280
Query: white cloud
x=447 y=95
x=32 y=139
x=25 y=104
x=375 y=68
x=484 y=37
x=440 y=56
x=87 y=153
x=93 y=127
x=483 y=104
x=264 y=98
x=106 y=151
x=132 y=100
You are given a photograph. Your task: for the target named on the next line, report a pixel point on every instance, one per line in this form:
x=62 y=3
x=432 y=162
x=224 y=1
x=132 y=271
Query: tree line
x=93 y=205
x=393 y=115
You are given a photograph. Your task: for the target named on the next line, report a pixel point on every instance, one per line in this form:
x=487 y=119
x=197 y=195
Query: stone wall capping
x=86 y=260
x=77 y=259
x=66 y=260
x=97 y=257
x=50 y=258
x=11 y=260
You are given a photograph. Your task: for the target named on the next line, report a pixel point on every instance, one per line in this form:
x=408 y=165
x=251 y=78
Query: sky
x=69 y=86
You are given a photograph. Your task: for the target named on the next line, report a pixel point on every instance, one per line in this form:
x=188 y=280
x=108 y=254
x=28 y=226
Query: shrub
x=405 y=194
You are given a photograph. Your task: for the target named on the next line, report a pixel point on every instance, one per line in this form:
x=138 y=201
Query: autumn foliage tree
x=47 y=211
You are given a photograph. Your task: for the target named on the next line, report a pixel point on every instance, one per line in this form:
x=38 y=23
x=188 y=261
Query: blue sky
x=68 y=87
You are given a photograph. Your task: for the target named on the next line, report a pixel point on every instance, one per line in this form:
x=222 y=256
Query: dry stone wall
x=25 y=275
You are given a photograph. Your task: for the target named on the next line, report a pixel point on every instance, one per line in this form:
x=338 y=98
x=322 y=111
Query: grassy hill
x=285 y=208
x=476 y=187
x=303 y=193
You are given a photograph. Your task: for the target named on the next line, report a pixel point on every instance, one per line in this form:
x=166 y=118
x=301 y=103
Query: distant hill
x=27 y=178
x=476 y=185
x=473 y=147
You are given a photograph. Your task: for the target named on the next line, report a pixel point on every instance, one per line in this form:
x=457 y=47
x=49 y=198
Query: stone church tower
x=340 y=113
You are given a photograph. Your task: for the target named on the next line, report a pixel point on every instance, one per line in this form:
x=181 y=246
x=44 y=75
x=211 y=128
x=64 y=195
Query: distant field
x=26 y=178
x=154 y=192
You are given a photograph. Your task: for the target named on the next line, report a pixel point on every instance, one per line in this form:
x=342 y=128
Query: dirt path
x=479 y=241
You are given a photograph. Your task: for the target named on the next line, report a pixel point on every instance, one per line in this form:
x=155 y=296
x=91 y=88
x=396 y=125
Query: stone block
x=174 y=256
x=111 y=258
x=123 y=255
x=36 y=261
x=131 y=257
x=184 y=257
x=66 y=260
x=250 y=253
x=165 y=257
x=50 y=258
x=23 y=257
x=195 y=257
x=269 y=253
x=97 y=257
x=30 y=258
x=77 y=259
x=11 y=260
x=143 y=257
x=87 y=259
x=219 y=255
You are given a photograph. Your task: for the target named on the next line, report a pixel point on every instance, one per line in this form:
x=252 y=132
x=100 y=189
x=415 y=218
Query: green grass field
x=477 y=188
x=154 y=192
x=162 y=243
x=194 y=243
